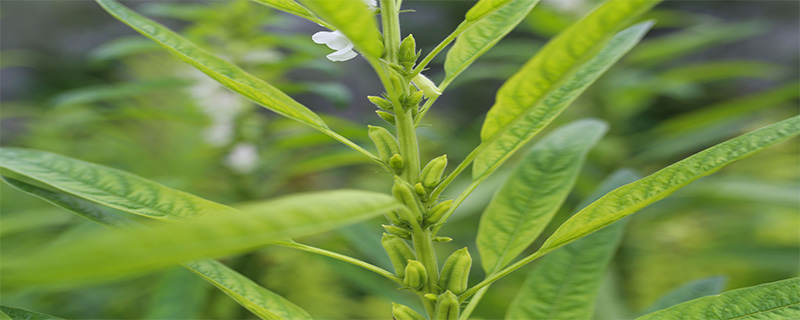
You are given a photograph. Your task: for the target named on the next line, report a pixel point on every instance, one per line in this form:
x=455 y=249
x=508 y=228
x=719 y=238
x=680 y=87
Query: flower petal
x=342 y=55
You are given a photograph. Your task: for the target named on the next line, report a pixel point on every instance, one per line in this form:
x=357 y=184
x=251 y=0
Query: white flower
x=372 y=4
x=336 y=41
x=243 y=158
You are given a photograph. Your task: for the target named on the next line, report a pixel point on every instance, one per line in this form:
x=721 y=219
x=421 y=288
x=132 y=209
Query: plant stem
x=338 y=256
x=423 y=245
x=502 y=273
x=473 y=303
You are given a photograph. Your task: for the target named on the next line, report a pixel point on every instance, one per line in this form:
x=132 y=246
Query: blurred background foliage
x=78 y=83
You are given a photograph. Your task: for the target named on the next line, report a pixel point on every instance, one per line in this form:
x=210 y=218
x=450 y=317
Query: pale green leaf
x=775 y=300
x=289 y=6
x=22 y=314
x=487 y=22
x=177 y=294
x=4 y=316
x=110 y=187
x=220 y=70
x=534 y=192
x=555 y=76
x=692 y=290
x=630 y=198
x=244 y=291
x=101 y=255
x=565 y=283
x=354 y=20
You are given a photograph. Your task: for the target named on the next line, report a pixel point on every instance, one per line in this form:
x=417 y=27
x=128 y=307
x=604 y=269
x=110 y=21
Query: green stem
x=473 y=303
x=423 y=246
x=391 y=29
x=338 y=256
x=492 y=278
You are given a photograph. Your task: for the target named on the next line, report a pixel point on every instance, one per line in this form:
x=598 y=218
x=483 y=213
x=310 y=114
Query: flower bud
x=438 y=211
x=399 y=252
x=396 y=163
x=455 y=271
x=398 y=82
x=431 y=297
x=386 y=116
x=420 y=190
x=432 y=173
x=447 y=307
x=416 y=276
x=442 y=239
x=401 y=312
x=380 y=102
x=384 y=141
x=426 y=85
x=400 y=232
x=415 y=98
x=408 y=53
x=403 y=192
x=394 y=217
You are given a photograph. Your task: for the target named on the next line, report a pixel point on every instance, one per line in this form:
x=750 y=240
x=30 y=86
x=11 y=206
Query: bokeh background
x=75 y=81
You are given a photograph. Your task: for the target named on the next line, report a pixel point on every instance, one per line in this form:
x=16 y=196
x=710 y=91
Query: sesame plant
x=156 y=226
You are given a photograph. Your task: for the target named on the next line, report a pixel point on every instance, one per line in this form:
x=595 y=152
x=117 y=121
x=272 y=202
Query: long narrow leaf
x=354 y=20
x=776 y=300
x=534 y=191
x=555 y=76
x=487 y=22
x=630 y=198
x=565 y=283
x=102 y=255
x=22 y=314
x=690 y=291
x=289 y=6
x=250 y=295
x=220 y=70
x=110 y=187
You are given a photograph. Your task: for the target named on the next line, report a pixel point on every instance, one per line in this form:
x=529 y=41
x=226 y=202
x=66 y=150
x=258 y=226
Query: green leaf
x=630 y=198
x=486 y=23
x=101 y=255
x=354 y=20
x=253 y=297
x=289 y=6
x=565 y=283
x=534 y=191
x=110 y=187
x=220 y=70
x=692 y=290
x=553 y=78
x=177 y=294
x=262 y=302
x=22 y=314
x=775 y=300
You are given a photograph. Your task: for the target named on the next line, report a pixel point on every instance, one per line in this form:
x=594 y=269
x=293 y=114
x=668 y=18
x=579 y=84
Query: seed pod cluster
x=401 y=312
x=455 y=272
x=447 y=307
x=403 y=192
x=399 y=252
x=416 y=276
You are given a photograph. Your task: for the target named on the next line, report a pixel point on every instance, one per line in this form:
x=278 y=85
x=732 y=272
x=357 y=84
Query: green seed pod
x=394 y=217
x=388 y=117
x=402 y=191
x=396 y=163
x=398 y=82
x=420 y=190
x=399 y=252
x=426 y=85
x=408 y=53
x=438 y=211
x=415 y=98
x=455 y=272
x=442 y=239
x=384 y=141
x=431 y=297
x=401 y=312
x=416 y=276
x=380 y=102
x=447 y=307
x=400 y=232
x=432 y=173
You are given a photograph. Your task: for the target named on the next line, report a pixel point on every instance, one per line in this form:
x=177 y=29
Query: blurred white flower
x=219 y=104
x=372 y=4
x=336 y=41
x=243 y=158
x=570 y=6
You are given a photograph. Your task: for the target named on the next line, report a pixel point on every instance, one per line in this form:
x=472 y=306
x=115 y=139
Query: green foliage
x=21 y=314
x=776 y=300
x=690 y=291
x=355 y=20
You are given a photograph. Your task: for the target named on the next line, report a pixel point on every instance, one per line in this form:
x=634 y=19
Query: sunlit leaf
x=554 y=77
x=22 y=314
x=114 y=188
x=220 y=70
x=101 y=255
x=486 y=23
x=692 y=290
x=630 y=198
x=354 y=20
x=775 y=300
x=177 y=294
x=534 y=192
x=289 y=6
x=564 y=284
x=244 y=291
